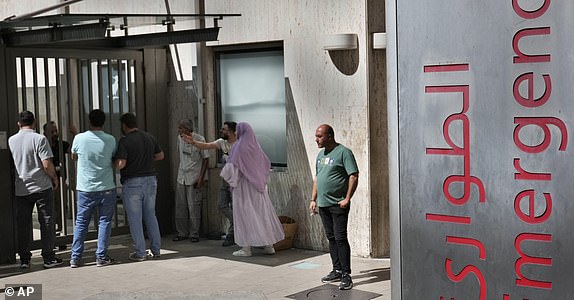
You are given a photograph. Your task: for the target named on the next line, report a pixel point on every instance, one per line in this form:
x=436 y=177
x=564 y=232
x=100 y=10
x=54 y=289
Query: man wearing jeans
x=35 y=180
x=94 y=151
x=337 y=176
x=137 y=150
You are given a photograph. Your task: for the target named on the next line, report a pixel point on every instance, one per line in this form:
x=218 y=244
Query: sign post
x=482 y=94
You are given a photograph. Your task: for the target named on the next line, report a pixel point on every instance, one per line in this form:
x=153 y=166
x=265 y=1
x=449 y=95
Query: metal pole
x=170 y=29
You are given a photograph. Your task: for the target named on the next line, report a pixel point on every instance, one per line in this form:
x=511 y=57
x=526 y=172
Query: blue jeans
x=225 y=204
x=335 y=224
x=44 y=202
x=139 y=201
x=105 y=203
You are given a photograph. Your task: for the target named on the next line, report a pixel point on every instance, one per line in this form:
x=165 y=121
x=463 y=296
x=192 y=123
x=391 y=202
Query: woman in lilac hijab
x=254 y=218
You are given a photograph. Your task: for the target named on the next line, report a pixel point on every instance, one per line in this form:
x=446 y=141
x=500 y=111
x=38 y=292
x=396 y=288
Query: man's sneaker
x=74 y=263
x=151 y=255
x=52 y=263
x=334 y=276
x=229 y=241
x=24 y=264
x=100 y=262
x=134 y=257
x=346 y=282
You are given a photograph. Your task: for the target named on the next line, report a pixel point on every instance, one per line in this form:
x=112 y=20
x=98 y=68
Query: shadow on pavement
x=121 y=246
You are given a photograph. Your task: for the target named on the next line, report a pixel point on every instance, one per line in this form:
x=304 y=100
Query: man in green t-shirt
x=336 y=179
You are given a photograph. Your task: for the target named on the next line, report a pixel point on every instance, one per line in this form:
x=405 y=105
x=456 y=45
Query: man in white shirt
x=224 y=143
x=190 y=179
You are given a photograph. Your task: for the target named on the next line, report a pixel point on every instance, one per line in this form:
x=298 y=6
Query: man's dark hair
x=45 y=127
x=129 y=119
x=97 y=118
x=26 y=118
x=231 y=125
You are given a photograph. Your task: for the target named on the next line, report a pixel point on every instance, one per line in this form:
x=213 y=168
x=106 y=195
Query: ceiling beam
x=77 y=40
x=56 y=34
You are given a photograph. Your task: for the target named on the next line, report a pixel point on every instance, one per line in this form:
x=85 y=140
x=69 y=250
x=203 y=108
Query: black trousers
x=44 y=202
x=334 y=220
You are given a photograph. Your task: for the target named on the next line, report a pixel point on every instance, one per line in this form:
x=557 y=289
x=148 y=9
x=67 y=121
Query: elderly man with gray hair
x=190 y=179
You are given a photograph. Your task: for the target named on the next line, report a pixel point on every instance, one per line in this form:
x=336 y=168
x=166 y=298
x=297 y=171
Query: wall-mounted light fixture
x=379 y=40
x=343 y=41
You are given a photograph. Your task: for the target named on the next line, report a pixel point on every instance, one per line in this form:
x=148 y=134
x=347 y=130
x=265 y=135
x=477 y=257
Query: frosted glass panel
x=252 y=89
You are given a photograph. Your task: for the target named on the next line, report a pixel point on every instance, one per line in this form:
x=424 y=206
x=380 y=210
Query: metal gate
x=61 y=87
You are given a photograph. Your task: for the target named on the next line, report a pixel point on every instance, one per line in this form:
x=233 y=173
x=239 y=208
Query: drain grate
x=331 y=291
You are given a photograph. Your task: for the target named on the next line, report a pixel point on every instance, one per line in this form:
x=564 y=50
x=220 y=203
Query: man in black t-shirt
x=137 y=150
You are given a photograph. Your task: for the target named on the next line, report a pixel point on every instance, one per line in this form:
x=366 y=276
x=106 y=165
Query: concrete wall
x=132 y=7
x=17 y=8
x=378 y=132
x=321 y=93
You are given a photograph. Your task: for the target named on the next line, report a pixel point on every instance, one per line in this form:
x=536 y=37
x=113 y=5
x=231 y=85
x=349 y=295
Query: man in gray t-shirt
x=34 y=181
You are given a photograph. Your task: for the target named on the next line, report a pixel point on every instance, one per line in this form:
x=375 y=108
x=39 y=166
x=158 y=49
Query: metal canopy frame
x=94 y=30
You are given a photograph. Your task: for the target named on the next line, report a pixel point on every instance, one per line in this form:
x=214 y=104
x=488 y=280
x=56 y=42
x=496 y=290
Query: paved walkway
x=203 y=270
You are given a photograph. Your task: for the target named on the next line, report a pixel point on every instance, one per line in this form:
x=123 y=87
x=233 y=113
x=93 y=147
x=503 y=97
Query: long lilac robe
x=254 y=219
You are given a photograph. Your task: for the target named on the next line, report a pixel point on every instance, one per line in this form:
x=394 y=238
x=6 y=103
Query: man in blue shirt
x=94 y=152
x=337 y=176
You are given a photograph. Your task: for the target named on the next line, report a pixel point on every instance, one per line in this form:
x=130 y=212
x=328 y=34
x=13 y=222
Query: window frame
x=243 y=49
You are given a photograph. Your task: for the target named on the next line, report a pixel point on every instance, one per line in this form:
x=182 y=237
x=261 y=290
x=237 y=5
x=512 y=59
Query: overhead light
x=343 y=41
x=379 y=40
